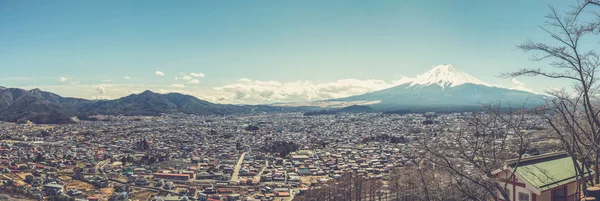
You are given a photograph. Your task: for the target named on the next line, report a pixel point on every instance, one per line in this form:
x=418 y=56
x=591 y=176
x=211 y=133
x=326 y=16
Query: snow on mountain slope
x=442 y=87
x=445 y=76
x=447 y=87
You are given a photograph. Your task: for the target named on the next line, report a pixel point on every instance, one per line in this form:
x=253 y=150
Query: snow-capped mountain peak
x=443 y=88
x=445 y=76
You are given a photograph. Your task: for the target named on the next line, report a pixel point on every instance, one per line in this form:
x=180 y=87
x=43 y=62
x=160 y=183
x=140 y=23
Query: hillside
x=18 y=105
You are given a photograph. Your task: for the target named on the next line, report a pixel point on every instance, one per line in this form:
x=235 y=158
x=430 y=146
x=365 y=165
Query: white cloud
x=101 y=88
x=256 y=91
x=402 y=80
x=76 y=82
x=63 y=79
x=197 y=74
x=194 y=81
x=100 y=97
x=516 y=82
x=177 y=86
x=184 y=77
x=159 y=73
x=166 y=91
x=114 y=91
x=128 y=78
x=518 y=85
x=244 y=91
x=189 y=78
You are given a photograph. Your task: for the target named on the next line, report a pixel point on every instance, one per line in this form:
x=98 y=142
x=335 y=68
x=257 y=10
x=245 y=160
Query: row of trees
x=403 y=184
x=452 y=166
x=148 y=159
x=283 y=148
x=18 y=192
x=142 y=145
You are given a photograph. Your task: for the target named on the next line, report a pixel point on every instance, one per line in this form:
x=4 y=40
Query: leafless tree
x=572 y=114
x=404 y=184
x=483 y=144
x=374 y=189
x=452 y=166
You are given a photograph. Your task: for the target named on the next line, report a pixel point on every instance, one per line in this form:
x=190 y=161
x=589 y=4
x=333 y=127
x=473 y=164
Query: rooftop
x=546 y=171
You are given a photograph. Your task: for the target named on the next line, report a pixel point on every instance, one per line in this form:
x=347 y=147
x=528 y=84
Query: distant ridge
x=445 y=88
x=349 y=109
x=19 y=105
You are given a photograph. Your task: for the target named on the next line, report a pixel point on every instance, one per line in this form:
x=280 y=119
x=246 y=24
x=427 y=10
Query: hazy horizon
x=261 y=52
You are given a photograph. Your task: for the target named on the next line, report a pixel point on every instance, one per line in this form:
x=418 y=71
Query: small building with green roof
x=546 y=177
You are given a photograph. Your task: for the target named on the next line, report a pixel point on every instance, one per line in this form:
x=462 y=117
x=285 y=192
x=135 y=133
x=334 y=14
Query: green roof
x=545 y=172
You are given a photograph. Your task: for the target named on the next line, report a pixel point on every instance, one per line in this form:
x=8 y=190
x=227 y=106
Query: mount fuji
x=444 y=87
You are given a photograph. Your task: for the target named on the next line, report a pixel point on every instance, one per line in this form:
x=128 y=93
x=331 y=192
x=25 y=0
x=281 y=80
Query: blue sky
x=245 y=47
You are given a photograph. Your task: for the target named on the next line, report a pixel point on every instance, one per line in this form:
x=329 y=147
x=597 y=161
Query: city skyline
x=263 y=52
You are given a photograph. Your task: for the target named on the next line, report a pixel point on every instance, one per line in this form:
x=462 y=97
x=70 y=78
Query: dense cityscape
x=258 y=157
x=299 y=100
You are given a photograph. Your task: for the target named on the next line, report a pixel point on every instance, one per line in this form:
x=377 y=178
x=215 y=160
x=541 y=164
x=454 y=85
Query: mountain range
x=19 y=105
x=443 y=88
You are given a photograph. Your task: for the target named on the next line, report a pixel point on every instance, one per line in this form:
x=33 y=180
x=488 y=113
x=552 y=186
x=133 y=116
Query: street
x=236 y=169
x=257 y=177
